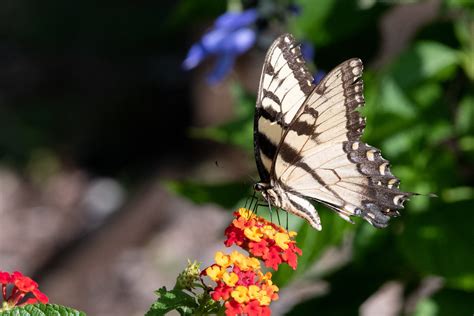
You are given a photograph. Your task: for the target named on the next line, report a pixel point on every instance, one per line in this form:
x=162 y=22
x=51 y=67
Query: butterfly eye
x=259 y=187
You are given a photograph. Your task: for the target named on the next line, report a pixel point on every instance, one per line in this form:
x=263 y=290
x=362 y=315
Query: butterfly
x=307 y=142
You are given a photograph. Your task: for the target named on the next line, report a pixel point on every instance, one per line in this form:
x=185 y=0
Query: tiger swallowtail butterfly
x=307 y=142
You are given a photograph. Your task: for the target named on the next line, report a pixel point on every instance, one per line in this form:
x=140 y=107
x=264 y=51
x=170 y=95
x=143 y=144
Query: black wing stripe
x=365 y=176
x=291 y=156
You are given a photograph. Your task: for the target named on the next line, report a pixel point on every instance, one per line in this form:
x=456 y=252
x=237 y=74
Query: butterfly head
x=261 y=186
x=267 y=192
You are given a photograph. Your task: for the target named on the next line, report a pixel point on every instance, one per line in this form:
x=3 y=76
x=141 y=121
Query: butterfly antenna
x=286 y=221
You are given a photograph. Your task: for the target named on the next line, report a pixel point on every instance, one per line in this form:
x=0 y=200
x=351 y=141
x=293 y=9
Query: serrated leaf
x=42 y=310
x=169 y=300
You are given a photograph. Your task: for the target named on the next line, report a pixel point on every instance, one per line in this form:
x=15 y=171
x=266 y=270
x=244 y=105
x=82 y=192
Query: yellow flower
x=215 y=272
x=269 y=287
x=253 y=233
x=240 y=294
x=292 y=234
x=264 y=277
x=243 y=212
x=222 y=259
x=263 y=298
x=269 y=231
x=254 y=292
x=282 y=239
x=253 y=263
x=230 y=278
x=237 y=258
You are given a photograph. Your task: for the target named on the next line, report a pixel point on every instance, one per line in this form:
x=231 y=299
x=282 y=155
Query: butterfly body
x=307 y=142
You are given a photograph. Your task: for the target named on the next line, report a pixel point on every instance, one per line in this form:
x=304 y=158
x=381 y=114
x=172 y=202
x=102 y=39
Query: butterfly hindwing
x=321 y=157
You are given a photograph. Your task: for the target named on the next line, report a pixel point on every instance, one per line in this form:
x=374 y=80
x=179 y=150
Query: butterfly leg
x=270 y=210
x=278 y=216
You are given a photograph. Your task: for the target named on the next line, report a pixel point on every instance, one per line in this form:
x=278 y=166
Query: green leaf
x=42 y=310
x=322 y=22
x=465 y=115
x=424 y=60
x=313 y=243
x=226 y=194
x=441 y=243
x=394 y=100
x=427 y=93
x=175 y=299
x=446 y=302
x=237 y=133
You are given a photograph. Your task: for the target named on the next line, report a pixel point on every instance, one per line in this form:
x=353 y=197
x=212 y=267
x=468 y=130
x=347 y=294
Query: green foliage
x=431 y=242
x=168 y=300
x=446 y=302
x=42 y=310
x=420 y=112
x=224 y=194
x=239 y=131
x=314 y=243
x=192 y=299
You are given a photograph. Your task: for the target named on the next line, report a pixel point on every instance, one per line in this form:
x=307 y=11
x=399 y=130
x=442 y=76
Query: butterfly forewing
x=320 y=155
x=285 y=83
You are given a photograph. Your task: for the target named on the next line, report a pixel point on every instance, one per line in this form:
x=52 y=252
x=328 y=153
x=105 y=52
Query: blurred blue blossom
x=319 y=76
x=231 y=35
x=307 y=49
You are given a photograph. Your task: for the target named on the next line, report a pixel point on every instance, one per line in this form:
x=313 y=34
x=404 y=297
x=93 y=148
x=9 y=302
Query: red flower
x=262 y=239
x=234 y=236
x=5 y=277
x=24 y=283
x=22 y=286
x=253 y=308
x=232 y=308
x=265 y=311
x=259 y=249
x=272 y=258
x=246 y=278
x=221 y=291
x=240 y=282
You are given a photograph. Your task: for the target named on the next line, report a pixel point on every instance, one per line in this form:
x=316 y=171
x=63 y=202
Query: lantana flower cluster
x=21 y=288
x=262 y=239
x=241 y=284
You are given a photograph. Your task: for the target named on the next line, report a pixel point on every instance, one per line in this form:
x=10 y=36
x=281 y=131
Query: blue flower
x=319 y=76
x=307 y=49
x=231 y=35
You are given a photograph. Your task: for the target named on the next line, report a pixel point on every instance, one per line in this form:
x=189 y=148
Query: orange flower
x=241 y=284
x=262 y=239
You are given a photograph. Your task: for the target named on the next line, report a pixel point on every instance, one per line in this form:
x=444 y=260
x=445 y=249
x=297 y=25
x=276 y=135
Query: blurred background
x=126 y=143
